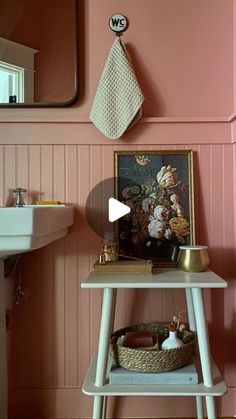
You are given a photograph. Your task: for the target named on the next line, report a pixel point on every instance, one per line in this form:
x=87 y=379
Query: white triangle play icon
x=116 y=210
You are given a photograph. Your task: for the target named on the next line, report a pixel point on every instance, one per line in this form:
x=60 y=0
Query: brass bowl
x=193 y=258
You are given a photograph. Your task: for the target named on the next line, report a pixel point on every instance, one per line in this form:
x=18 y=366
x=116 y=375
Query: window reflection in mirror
x=38 y=52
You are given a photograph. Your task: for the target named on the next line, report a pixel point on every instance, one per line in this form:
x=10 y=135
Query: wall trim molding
x=141 y=134
x=52 y=115
x=69 y=129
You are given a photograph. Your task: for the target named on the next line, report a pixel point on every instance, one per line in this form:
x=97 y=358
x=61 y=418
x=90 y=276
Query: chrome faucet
x=19 y=198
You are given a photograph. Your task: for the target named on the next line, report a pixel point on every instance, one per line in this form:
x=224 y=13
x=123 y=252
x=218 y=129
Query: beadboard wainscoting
x=55 y=330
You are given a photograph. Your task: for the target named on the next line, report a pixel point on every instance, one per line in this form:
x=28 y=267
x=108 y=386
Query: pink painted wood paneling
x=48 y=317
x=34 y=183
x=59 y=190
x=83 y=313
x=55 y=330
x=46 y=170
x=9 y=172
x=59 y=173
x=96 y=171
x=34 y=350
x=59 y=311
x=71 y=281
x=22 y=168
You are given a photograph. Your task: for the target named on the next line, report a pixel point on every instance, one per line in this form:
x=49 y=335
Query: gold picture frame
x=158 y=187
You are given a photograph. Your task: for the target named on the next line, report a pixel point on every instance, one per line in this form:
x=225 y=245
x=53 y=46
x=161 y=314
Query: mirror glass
x=38 y=52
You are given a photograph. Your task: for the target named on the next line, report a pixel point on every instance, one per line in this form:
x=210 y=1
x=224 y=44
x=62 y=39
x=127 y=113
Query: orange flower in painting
x=179 y=225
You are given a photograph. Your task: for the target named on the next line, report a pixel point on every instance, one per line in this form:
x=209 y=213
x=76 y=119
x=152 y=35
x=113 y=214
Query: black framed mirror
x=38 y=53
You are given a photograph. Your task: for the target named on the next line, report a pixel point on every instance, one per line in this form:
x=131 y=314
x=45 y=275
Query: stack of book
x=124 y=266
x=185 y=375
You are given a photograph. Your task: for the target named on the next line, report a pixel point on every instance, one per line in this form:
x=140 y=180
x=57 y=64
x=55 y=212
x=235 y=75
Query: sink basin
x=32 y=226
x=22 y=230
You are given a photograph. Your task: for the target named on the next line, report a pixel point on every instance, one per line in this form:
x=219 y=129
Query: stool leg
x=204 y=350
x=107 y=321
x=202 y=333
x=192 y=326
x=210 y=405
x=199 y=407
x=104 y=407
x=106 y=326
x=191 y=314
x=97 y=407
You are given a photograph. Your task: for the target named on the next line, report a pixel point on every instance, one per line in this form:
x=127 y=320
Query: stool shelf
x=212 y=383
x=89 y=388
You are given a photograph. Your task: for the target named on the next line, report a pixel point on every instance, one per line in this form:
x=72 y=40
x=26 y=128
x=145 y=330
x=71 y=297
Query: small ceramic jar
x=172 y=341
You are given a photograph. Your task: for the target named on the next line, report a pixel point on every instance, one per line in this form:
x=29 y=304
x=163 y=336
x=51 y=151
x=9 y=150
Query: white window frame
x=19 y=72
x=20 y=57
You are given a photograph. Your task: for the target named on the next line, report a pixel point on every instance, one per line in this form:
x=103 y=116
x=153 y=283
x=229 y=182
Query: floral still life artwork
x=158 y=188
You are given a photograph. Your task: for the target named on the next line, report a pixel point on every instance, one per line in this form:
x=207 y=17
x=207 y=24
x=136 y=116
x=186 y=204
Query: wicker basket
x=156 y=360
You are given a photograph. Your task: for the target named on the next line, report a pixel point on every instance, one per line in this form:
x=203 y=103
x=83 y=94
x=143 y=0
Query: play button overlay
x=117 y=210
x=105 y=206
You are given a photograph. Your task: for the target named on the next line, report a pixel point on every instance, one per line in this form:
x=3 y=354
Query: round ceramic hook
x=118 y=23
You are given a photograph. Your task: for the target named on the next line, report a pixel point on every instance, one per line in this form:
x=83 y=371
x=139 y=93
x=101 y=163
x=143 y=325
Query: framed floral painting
x=158 y=188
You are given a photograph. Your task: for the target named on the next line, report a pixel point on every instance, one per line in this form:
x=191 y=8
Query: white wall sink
x=32 y=226
x=22 y=230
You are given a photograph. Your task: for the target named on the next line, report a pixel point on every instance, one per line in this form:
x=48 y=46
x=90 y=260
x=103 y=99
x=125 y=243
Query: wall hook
x=118 y=23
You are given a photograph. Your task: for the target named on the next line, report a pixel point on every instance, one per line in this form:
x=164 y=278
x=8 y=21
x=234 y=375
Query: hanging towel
x=118 y=100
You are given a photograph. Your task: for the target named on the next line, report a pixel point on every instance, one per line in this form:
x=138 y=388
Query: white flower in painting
x=156 y=229
x=168 y=234
x=167 y=177
x=176 y=207
x=175 y=198
x=161 y=213
x=146 y=203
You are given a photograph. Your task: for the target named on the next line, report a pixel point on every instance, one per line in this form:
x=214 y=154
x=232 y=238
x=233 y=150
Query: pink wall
x=184 y=59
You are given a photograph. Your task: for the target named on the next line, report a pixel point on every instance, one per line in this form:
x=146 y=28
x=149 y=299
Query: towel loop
x=118 y=23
